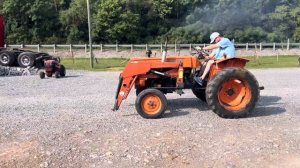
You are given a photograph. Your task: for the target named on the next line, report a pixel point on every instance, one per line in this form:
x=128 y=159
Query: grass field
x=105 y=64
x=117 y=64
x=272 y=62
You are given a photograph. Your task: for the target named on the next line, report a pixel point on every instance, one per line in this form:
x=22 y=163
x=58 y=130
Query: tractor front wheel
x=232 y=93
x=151 y=103
x=42 y=74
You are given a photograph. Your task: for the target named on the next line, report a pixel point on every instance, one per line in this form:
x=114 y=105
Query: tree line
x=150 y=21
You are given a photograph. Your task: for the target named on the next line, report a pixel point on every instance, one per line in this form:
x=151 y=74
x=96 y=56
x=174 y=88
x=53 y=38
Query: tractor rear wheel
x=62 y=71
x=56 y=74
x=151 y=103
x=232 y=93
x=200 y=94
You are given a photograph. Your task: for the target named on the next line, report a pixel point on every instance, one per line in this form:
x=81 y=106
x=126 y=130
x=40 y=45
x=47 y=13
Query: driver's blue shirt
x=226 y=47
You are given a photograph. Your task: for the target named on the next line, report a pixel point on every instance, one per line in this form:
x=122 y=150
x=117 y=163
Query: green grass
x=103 y=64
x=271 y=62
x=117 y=64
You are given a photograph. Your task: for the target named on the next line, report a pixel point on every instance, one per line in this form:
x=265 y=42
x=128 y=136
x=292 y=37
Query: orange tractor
x=230 y=90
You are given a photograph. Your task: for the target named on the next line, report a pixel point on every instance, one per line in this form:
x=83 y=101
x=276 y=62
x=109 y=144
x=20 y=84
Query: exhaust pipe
x=164 y=54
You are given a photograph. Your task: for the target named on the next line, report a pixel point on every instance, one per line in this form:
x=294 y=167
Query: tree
x=29 y=21
x=74 y=21
x=113 y=22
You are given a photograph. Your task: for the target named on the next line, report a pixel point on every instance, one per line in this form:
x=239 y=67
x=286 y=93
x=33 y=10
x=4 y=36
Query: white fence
x=132 y=47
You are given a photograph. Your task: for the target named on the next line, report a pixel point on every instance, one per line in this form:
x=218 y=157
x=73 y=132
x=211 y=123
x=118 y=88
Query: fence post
x=161 y=47
x=22 y=45
x=175 y=47
x=54 y=48
x=260 y=46
x=85 y=48
x=146 y=47
x=288 y=45
x=247 y=46
x=38 y=47
x=274 y=46
x=101 y=47
x=131 y=48
x=70 y=48
x=5 y=46
x=117 y=47
x=190 y=47
x=256 y=57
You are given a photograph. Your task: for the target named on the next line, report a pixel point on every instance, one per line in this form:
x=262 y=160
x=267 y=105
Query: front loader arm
x=124 y=87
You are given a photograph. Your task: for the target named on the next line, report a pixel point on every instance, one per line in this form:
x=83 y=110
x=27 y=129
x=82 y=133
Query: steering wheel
x=200 y=53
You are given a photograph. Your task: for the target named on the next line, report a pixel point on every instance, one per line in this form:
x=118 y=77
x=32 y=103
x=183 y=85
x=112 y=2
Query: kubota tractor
x=230 y=91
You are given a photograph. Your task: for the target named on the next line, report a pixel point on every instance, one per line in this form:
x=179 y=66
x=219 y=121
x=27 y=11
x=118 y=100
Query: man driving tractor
x=222 y=48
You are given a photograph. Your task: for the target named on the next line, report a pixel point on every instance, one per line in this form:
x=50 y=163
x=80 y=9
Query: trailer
x=13 y=57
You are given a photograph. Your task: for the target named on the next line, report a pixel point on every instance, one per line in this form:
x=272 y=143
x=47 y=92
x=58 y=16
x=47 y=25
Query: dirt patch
x=19 y=153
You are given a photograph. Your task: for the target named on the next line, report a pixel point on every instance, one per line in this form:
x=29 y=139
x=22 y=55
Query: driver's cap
x=213 y=36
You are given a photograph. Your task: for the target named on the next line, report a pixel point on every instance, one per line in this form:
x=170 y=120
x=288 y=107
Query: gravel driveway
x=68 y=122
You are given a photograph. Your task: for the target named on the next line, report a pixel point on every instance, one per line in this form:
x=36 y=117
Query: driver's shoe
x=198 y=80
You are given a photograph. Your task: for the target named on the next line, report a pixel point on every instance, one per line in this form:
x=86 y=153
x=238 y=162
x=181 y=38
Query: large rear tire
x=151 y=103
x=232 y=93
x=7 y=58
x=26 y=59
x=56 y=74
x=62 y=71
x=200 y=94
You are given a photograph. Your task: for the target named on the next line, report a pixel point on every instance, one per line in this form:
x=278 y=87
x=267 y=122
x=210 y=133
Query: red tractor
x=230 y=91
x=52 y=66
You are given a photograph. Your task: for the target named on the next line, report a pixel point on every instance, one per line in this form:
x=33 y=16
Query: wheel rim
x=4 y=59
x=151 y=104
x=234 y=94
x=25 y=60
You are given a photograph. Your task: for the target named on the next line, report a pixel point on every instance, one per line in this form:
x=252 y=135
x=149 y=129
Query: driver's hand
x=198 y=48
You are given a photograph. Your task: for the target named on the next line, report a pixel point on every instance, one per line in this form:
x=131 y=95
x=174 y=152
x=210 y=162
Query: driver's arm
x=211 y=47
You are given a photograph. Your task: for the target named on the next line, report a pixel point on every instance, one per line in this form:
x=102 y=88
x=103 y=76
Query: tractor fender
x=232 y=62
x=225 y=63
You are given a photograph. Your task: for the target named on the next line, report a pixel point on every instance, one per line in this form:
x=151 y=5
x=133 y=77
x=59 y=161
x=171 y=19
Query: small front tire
x=151 y=103
x=42 y=75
